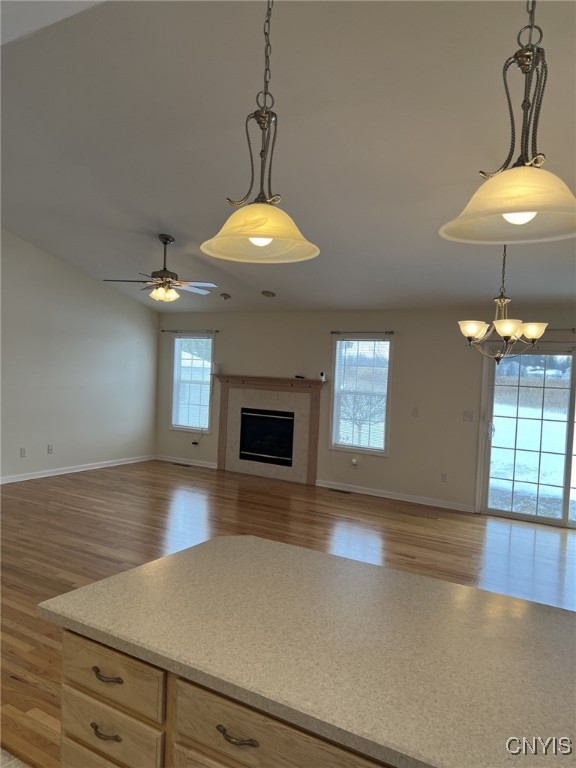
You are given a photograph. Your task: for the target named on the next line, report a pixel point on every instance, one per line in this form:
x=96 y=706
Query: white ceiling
x=127 y=120
x=27 y=16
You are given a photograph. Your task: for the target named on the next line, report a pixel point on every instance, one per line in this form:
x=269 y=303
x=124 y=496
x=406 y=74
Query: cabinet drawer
x=74 y=755
x=188 y=758
x=136 y=745
x=141 y=688
x=199 y=712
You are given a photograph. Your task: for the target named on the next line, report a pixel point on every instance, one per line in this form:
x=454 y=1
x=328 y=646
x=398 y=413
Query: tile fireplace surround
x=301 y=396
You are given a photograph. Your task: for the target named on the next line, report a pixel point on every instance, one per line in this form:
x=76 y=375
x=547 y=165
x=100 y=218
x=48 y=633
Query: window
x=191 y=388
x=359 y=415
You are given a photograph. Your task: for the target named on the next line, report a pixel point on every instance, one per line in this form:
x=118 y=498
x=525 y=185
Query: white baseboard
x=212 y=465
x=69 y=470
x=187 y=462
x=398 y=496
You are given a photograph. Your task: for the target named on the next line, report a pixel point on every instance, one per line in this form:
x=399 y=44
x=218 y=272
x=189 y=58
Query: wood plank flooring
x=62 y=532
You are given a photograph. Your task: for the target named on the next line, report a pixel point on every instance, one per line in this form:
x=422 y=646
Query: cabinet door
x=189 y=758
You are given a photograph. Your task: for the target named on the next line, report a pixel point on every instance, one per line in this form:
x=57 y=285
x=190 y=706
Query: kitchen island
x=405 y=670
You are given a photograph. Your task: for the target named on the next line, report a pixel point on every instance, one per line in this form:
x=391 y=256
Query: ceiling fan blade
x=145 y=274
x=193 y=289
x=198 y=285
x=125 y=281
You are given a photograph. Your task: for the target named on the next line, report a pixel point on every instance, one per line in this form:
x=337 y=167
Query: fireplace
x=269 y=426
x=267 y=436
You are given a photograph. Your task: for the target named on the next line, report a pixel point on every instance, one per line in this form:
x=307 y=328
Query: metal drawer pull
x=104 y=679
x=236 y=742
x=98 y=733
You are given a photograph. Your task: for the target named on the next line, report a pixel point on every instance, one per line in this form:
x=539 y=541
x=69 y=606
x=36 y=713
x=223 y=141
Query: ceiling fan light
x=158 y=293
x=259 y=221
x=171 y=295
x=518 y=190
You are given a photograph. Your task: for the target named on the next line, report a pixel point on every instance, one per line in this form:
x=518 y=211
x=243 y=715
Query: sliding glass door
x=530 y=471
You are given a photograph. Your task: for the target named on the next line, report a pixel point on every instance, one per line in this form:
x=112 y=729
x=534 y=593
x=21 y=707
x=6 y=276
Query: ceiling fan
x=162 y=282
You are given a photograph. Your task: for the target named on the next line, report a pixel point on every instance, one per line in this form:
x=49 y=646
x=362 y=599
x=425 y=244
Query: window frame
x=382 y=452
x=180 y=427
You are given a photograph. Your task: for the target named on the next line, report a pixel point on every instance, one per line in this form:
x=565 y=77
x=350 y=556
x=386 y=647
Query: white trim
x=187 y=462
x=204 y=335
x=398 y=496
x=484 y=441
x=69 y=470
x=360 y=336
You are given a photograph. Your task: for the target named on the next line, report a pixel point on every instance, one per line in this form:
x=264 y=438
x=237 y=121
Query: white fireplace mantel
x=299 y=395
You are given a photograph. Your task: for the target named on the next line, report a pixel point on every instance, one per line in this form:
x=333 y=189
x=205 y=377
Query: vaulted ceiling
x=127 y=120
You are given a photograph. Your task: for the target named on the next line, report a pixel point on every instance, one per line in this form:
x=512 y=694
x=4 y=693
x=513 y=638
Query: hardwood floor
x=62 y=532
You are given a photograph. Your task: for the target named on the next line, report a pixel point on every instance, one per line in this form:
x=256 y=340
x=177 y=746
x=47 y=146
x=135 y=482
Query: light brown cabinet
x=112 y=708
x=114 y=714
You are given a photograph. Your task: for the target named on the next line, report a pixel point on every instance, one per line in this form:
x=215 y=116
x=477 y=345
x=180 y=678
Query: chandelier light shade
x=515 y=336
x=521 y=203
x=260 y=233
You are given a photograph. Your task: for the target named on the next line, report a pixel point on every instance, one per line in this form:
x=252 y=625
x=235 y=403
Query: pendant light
x=516 y=336
x=523 y=203
x=261 y=233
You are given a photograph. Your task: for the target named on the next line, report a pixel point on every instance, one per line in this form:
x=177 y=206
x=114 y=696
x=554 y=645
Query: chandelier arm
x=541 y=78
x=263 y=159
x=497 y=356
x=238 y=203
x=486 y=174
x=274 y=130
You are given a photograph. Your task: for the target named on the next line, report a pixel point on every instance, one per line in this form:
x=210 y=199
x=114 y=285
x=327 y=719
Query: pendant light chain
x=503 y=287
x=267 y=52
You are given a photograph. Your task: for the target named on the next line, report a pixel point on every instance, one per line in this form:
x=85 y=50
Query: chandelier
x=523 y=203
x=261 y=233
x=516 y=337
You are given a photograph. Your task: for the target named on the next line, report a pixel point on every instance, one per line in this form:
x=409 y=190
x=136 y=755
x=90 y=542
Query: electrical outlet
x=23 y=453
x=49 y=448
x=468 y=415
x=443 y=477
x=415 y=411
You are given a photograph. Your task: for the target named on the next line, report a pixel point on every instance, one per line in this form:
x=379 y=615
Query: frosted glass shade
x=261 y=222
x=473 y=329
x=158 y=293
x=507 y=328
x=517 y=190
x=533 y=331
x=162 y=294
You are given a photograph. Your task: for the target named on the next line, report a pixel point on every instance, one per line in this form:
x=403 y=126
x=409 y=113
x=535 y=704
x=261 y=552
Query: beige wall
x=81 y=364
x=78 y=367
x=431 y=369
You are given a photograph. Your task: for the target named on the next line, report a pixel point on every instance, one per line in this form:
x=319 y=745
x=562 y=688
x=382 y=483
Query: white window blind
x=191 y=391
x=359 y=417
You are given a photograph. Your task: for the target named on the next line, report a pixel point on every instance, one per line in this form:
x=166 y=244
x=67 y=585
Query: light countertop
x=406 y=669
